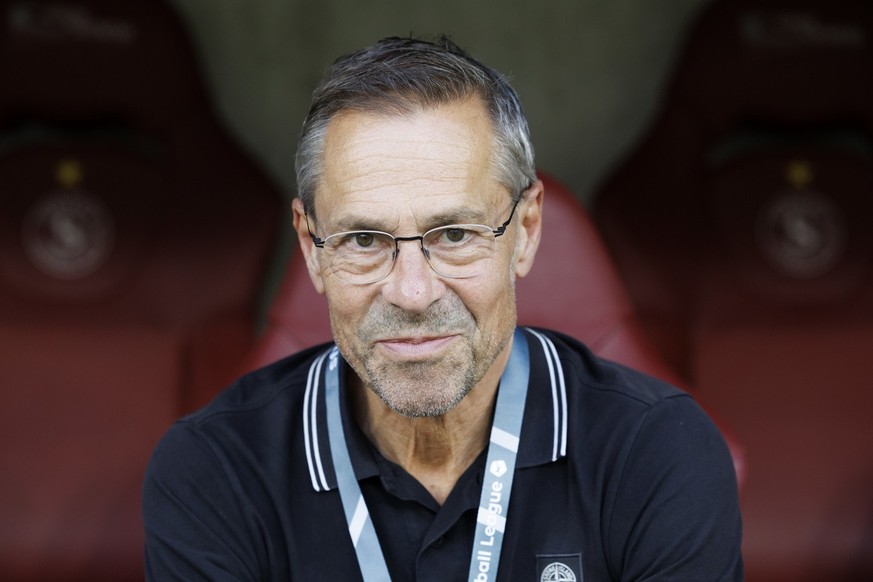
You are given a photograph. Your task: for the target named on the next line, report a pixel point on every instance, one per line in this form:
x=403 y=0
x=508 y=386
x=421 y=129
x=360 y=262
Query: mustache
x=449 y=315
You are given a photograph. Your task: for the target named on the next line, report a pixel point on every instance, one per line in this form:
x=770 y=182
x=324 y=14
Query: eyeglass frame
x=499 y=231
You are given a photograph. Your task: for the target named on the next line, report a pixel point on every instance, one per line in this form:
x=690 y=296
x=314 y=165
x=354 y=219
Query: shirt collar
x=543 y=433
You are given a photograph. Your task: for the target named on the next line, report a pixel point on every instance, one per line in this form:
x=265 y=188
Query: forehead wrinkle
x=376 y=172
x=430 y=144
x=373 y=186
x=420 y=217
x=432 y=168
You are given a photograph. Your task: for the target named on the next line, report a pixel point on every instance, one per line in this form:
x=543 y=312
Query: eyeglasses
x=454 y=251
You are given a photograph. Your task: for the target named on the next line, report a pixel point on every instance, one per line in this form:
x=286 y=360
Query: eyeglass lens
x=453 y=251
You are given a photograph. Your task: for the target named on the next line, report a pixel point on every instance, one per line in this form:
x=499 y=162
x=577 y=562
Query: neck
x=434 y=450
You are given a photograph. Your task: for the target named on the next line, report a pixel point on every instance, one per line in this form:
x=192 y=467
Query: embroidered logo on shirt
x=560 y=568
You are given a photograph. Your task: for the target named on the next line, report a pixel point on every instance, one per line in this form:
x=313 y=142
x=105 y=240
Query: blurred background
x=716 y=156
x=589 y=72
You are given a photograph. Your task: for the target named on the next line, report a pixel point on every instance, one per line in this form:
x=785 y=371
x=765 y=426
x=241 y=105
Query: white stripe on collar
x=559 y=395
x=310 y=425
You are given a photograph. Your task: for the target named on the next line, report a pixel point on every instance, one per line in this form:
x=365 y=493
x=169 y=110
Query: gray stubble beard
x=422 y=388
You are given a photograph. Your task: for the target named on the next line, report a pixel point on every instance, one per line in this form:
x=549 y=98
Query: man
x=438 y=442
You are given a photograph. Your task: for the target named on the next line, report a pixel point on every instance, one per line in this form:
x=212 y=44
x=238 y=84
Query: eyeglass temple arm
x=502 y=228
x=315 y=240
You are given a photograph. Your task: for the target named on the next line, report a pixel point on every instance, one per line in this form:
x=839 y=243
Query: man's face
x=419 y=340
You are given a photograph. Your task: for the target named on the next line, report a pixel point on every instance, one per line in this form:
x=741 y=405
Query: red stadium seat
x=573 y=288
x=742 y=225
x=134 y=236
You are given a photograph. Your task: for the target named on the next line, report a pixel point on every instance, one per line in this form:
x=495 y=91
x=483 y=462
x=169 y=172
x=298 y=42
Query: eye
x=359 y=241
x=363 y=239
x=455 y=235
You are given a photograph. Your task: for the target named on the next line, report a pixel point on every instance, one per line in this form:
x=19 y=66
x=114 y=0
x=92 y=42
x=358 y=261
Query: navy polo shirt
x=618 y=477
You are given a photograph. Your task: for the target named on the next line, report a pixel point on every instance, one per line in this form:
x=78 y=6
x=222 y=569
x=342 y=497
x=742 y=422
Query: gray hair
x=401 y=75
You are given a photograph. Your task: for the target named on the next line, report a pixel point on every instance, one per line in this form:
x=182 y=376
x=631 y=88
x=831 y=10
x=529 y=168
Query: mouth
x=417 y=347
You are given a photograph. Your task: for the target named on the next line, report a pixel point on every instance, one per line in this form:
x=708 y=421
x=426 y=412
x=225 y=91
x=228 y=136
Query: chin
x=432 y=407
x=420 y=390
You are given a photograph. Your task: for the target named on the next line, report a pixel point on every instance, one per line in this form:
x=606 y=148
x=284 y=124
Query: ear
x=307 y=247
x=531 y=226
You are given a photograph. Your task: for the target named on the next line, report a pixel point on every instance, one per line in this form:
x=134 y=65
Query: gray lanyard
x=496 y=485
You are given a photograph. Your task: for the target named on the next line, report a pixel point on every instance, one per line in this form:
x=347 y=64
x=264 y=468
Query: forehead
x=405 y=168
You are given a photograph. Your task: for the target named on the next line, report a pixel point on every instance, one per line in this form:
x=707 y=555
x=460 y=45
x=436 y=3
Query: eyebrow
x=463 y=215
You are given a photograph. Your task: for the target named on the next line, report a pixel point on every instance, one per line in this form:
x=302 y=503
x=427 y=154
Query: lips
x=417 y=347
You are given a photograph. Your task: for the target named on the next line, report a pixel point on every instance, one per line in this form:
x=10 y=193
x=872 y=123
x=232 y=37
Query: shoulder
x=259 y=409
x=583 y=370
x=617 y=413
x=663 y=471
x=215 y=478
x=256 y=393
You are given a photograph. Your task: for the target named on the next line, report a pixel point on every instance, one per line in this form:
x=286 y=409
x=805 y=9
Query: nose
x=412 y=284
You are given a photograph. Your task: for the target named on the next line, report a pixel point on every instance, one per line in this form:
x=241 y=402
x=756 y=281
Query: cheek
x=491 y=300
x=348 y=306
